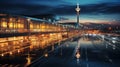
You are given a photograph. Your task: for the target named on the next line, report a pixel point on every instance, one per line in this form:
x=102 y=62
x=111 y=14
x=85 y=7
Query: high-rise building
x=77 y=10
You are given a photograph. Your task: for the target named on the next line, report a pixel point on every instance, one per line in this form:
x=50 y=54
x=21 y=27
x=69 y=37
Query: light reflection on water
x=78 y=61
x=61 y=51
x=53 y=48
x=28 y=58
x=20 y=46
x=78 y=57
x=17 y=44
x=46 y=55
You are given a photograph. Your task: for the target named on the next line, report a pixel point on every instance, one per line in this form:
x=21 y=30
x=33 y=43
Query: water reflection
x=77 y=52
x=17 y=47
x=12 y=45
x=106 y=45
x=28 y=58
x=114 y=47
x=61 y=51
x=78 y=56
x=59 y=42
x=67 y=44
x=46 y=53
x=53 y=48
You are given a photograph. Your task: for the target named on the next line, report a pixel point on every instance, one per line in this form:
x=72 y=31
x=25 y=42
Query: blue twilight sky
x=91 y=10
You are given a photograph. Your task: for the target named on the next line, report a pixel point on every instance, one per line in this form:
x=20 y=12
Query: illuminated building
x=20 y=32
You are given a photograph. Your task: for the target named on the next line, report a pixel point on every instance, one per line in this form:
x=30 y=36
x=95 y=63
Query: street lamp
x=2 y=55
x=28 y=28
x=28 y=19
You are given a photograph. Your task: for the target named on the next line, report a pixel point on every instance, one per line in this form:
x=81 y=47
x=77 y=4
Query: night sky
x=91 y=10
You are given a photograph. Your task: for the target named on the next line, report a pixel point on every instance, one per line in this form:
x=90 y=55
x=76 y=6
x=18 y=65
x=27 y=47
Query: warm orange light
x=2 y=45
x=43 y=26
x=11 y=53
x=78 y=55
x=4 y=24
x=28 y=59
x=11 y=25
x=2 y=55
x=37 y=26
x=15 y=25
x=31 y=26
x=18 y=51
x=11 y=19
x=19 y=25
x=14 y=38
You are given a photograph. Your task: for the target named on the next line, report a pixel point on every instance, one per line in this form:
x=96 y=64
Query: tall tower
x=77 y=10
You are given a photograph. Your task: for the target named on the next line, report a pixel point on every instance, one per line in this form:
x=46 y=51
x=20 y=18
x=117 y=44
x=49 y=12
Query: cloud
x=103 y=8
x=24 y=8
x=59 y=7
x=106 y=8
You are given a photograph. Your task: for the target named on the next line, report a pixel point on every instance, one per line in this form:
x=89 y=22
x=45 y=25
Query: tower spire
x=78 y=5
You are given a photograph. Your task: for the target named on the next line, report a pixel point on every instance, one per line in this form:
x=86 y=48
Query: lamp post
x=28 y=28
x=77 y=10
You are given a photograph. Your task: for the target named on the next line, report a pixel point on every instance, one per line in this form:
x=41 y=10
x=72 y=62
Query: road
x=92 y=50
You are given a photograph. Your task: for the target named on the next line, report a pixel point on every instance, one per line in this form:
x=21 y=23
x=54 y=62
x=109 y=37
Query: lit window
x=11 y=25
x=4 y=24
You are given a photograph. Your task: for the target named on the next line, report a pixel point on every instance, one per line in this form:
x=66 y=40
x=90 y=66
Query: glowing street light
x=18 y=51
x=2 y=55
x=46 y=55
x=11 y=53
x=28 y=27
x=28 y=19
